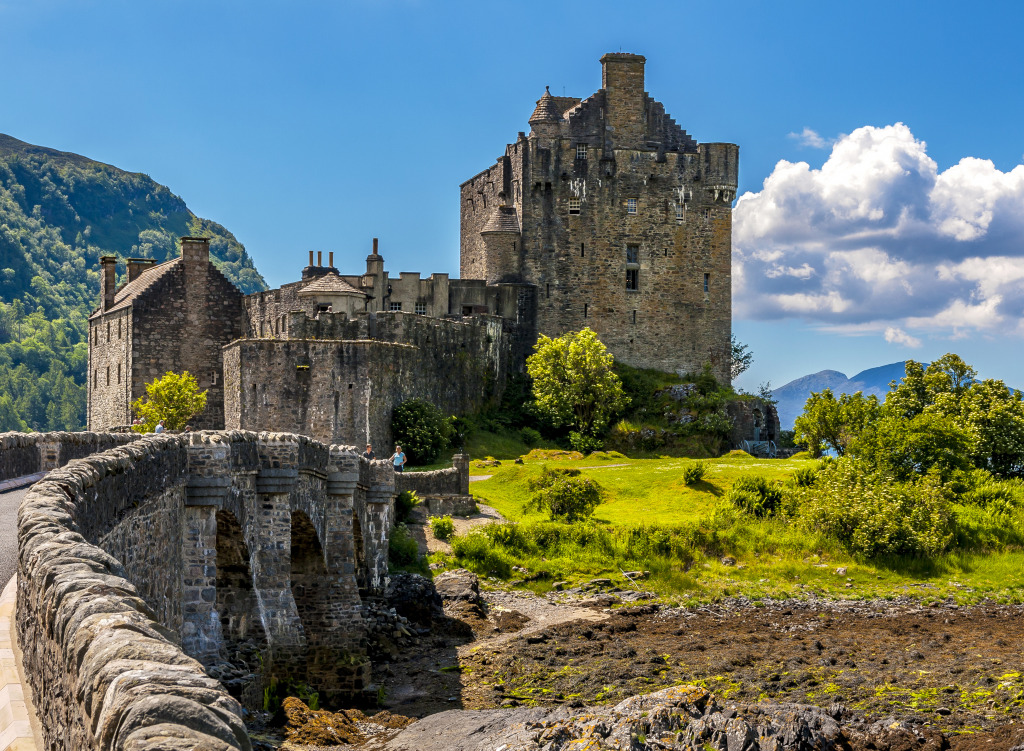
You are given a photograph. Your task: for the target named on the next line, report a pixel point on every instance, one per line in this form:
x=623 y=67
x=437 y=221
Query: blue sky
x=319 y=125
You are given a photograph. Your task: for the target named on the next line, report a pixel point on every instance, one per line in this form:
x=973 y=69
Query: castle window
x=394 y=306
x=214 y=377
x=586 y=309
x=582 y=250
x=118 y=328
x=630 y=205
x=707 y=283
x=581 y=151
x=323 y=308
x=632 y=279
x=707 y=214
x=108 y=331
x=574 y=205
x=95 y=378
x=632 y=254
x=119 y=372
x=96 y=335
x=680 y=212
x=108 y=375
x=634 y=321
x=549 y=290
x=421 y=308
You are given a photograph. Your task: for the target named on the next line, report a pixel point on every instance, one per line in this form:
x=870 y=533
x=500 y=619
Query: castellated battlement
x=149 y=569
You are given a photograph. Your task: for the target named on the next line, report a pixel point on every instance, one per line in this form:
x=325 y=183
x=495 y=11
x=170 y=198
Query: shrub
x=443 y=527
x=565 y=494
x=756 y=495
x=405 y=502
x=805 y=476
x=584 y=443
x=997 y=498
x=421 y=429
x=530 y=437
x=402 y=548
x=874 y=516
x=477 y=553
x=694 y=472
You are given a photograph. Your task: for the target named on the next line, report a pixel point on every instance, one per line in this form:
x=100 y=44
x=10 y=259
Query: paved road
x=9 y=503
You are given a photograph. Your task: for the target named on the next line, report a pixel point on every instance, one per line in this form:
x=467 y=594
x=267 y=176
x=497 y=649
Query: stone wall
x=451 y=481
x=143 y=565
x=28 y=453
x=338 y=380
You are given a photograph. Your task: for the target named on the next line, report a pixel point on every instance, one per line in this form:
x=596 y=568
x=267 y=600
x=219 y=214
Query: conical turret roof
x=547 y=110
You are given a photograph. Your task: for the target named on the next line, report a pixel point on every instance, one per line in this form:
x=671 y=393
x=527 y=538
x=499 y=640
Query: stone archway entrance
x=310 y=583
x=244 y=639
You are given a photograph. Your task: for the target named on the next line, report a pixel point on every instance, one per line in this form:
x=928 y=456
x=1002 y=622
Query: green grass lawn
x=773 y=557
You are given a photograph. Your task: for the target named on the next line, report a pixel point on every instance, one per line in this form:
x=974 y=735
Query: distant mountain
x=59 y=212
x=793 y=396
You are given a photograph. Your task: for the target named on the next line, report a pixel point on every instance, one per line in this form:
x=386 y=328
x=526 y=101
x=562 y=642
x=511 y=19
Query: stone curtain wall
x=343 y=390
x=122 y=601
x=28 y=453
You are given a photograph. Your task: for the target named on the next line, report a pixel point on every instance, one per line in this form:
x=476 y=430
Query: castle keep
x=620 y=220
x=607 y=215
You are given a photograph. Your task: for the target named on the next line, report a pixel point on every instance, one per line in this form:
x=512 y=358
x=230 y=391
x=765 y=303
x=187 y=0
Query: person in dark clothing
x=368 y=454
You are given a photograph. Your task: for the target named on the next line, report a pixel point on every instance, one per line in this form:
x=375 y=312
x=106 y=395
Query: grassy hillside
x=59 y=212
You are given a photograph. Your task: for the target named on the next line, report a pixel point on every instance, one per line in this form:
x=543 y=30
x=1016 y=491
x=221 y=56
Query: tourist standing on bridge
x=368 y=454
x=159 y=427
x=398 y=459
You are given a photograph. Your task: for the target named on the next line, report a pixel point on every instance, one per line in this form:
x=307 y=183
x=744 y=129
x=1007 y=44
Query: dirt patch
x=419 y=527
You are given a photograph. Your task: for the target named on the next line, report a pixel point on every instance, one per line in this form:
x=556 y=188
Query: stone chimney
x=195 y=251
x=374 y=261
x=622 y=78
x=136 y=266
x=108 y=281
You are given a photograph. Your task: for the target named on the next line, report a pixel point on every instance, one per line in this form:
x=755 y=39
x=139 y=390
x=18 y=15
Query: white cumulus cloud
x=878 y=239
x=811 y=138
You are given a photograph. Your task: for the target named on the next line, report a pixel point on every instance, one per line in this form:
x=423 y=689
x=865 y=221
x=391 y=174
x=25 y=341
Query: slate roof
x=330 y=284
x=504 y=219
x=547 y=110
x=129 y=293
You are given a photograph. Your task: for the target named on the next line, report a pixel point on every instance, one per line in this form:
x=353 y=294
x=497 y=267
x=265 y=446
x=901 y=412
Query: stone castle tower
x=620 y=219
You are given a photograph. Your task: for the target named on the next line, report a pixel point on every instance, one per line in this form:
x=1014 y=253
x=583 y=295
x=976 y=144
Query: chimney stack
x=375 y=246
x=319 y=258
x=330 y=259
x=108 y=281
x=311 y=258
x=195 y=251
x=622 y=78
x=136 y=266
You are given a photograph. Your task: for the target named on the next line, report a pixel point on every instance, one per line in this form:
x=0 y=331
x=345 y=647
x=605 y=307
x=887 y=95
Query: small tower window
x=574 y=205
x=95 y=377
x=394 y=306
x=108 y=375
x=421 y=308
x=634 y=320
x=118 y=328
x=119 y=372
x=680 y=212
x=108 y=331
x=583 y=250
x=632 y=254
x=581 y=151
x=707 y=214
x=707 y=283
x=633 y=279
x=586 y=309
x=630 y=205
x=548 y=290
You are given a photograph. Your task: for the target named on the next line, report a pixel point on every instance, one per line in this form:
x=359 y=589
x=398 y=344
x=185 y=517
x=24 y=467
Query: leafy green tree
x=565 y=494
x=905 y=449
x=573 y=382
x=421 y=429
x=830 y=423
x=175 y=399
x=742 y=358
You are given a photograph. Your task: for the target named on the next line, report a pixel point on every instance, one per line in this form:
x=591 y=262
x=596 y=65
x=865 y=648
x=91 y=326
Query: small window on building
x=214 y=377
x=96 y=378
x=707 y=214
x=548 y=290
x=680 y=212
x=634 y=320
x=633 y=279
x=108 y=331
x=581 y=151
x=118 y=328
x=119 y=372
x=583 y=250
x=108 y=375
x=323 y=308
x=421 y=308
x=586 y=309
x=467 y=310
x=394 y=306
x=630 y=205
x=574 y=205
x=632 y=254
x=707 y=283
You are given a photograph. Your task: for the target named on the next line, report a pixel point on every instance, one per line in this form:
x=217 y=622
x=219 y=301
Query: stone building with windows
x=619 y=219
x=606 y=215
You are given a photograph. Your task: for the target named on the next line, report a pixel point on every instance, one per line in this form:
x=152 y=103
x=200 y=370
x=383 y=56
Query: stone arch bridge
x=150 y=567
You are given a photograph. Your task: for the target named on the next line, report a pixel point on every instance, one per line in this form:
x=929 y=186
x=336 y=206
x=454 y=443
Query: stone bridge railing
x=29 y=453
x=146 y=569
x=444 y=491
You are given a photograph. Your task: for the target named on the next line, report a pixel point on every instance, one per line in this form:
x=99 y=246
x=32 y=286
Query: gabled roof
x=330 y=284
x=129 y=293
x=504 y=219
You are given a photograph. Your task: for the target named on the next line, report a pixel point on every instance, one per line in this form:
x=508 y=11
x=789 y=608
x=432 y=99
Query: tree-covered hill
x=59 y=212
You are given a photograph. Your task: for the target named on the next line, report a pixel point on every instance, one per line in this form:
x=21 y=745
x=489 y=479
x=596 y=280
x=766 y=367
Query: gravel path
x=9 y=503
